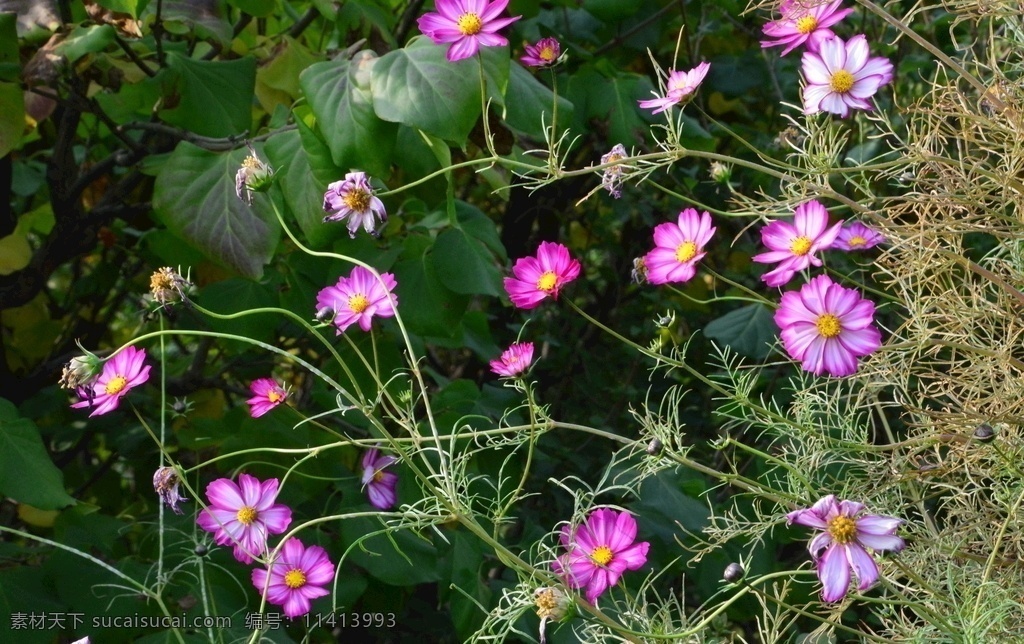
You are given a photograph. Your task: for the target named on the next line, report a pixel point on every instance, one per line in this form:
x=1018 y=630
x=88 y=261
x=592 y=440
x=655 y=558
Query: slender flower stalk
x=467 y=25
x=794 y=246
x=120 y=374
x=599 y=551
x=803 y=22
x=680 y=88
x=827 y=327
x=840 y=76
x=847 y=533
x=244 y=515
x=296 y=576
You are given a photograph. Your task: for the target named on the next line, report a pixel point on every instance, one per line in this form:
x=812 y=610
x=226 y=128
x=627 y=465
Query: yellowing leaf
x=37 y=517
x=15 y=253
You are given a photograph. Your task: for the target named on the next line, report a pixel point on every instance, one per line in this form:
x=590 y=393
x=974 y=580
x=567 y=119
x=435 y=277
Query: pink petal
x=863 y=565
x=834 y=574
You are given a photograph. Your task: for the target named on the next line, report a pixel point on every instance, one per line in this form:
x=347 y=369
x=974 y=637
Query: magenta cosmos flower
x=542 y=276
x=514 y=360
x=678 y=248
x=244 y=515
x=467 y=24
x=120 y=374
x=352 y=198
x=542 y=54
x=803 y=21
x=380 y=485
x=793 y=245
x=599 y=552
x=359 y=297
x=840 y=76
x=680 y=88
x=297 y=575
x=856 y=236
x=846 y=532
x=267 y=394
x=827 y=327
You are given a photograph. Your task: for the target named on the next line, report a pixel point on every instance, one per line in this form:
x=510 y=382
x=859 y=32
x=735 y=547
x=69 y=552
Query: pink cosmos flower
x=120 y=374
x=793 y=245
x=542 y=276
x=380 y=485
x=244 y=515
x=359 y=297
x=514 y=360
x=840 y=76
x=352 y=198
x=827 y=327
x=267 y=394
x=678 y=248
x=803 y=21
x=467 y=24
x=542 y=54
x=856 y=236
x=599 y=552
x=297 y=575
x=846 y=532
x=680 y=88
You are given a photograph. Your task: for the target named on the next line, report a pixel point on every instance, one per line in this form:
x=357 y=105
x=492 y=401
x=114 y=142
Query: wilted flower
x=253 y=176
x=678 y=247
x=167 y=286
x=125 y=371
x=552 y=604
x=639 y=272
x=856 y=236
x=267 y=394
x=720 y=172
x=380 y=485
x=81 y=370
x=166 y=482
x=612 y=178
x=296 y=576
x=353 y=198
x=827 y=327
x=537 y=278
x=542 y=54
x=467 y=24
x=846 y=532
x=244 y=515
x=794 y=245
x=359 y=297
x=599 y=552
x=840 y=76
x=679 y=89
x=803 y=21
x=514 y=360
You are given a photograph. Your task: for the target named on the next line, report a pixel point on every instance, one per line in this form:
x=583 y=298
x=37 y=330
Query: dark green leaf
x=339 y=93
x=85 y=40
x=12 y=116
x=294 y=153
x=532 y=101
x=426 y=305
x=195 y=197
x=27 y=474
x=214 y=98
x=749 y=330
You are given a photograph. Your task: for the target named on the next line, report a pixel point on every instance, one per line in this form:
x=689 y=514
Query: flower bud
x=984 y=433
x=201 y=550
x=654 y=447
x=325 y=315
x=733 y=573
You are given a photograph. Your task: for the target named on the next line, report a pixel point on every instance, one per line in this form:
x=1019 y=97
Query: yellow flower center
x=547 y=53
x=807 y=24
x=358 y=200
x=857 y=241
x=841 y=81
x=358 y=303
x=842 y=529
x=686 y=251
x=378 y=476
x=470 y=24
x=295 y=579
x=800 y=246
x=274 y=396
x=251 y=162
x=247 y=515
x=546 y=603
x=547 y=281
x=828 y=325
x=601 y=555
x=115 y=385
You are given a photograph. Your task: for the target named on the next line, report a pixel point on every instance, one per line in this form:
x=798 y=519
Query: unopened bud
x=325 y=315
x=733 y=573
x=984 y=433
x=654 y=447
x=201 y=550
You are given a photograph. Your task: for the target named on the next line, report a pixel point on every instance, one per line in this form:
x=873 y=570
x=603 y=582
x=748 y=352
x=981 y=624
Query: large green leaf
x=277 y=82
x=532 y=100
x=749 y=330
x=27 y=474
x=426 y=305
x=12 y=116
x=418 y=87
x=613 y=96
x=304 y=170
x=214 y=98
x=339 y=93
x=195 y=198
x=466 y=258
